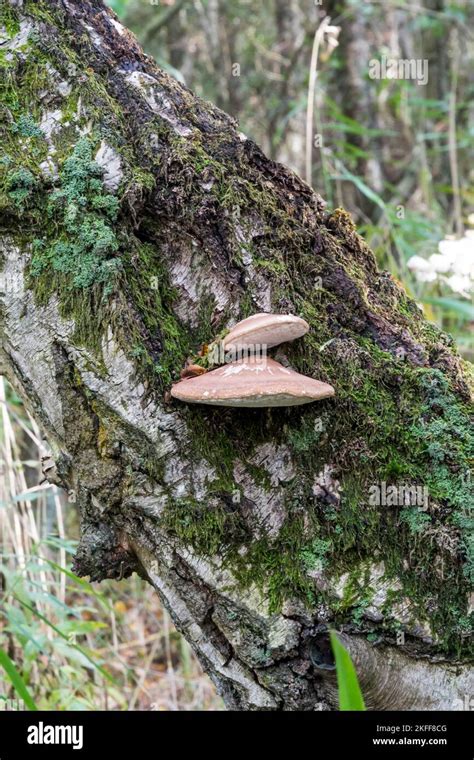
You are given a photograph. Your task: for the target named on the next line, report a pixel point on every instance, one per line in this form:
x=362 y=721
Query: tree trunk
x=258 y=528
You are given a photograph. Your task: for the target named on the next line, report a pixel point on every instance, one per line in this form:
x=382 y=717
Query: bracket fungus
x=254 y=380
x=265 y=330
x=251 y=382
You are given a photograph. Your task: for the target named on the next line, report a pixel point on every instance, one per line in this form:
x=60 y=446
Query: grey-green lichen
x=20 y=184
x=83 y=244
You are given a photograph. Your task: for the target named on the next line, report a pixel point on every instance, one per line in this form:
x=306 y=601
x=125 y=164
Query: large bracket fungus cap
x=253 y=382
x=265 y=329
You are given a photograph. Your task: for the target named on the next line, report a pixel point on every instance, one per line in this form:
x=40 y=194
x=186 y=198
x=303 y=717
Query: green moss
x=278 y=567
x=9 y=20
x=209 y=531
x=373 y=433
x=210 y=440
x=446 y=433
x=203 y=333
x=158 y=341
x=22 y=81
x=5 y=60
x=412 y=435
x=276 y=266
x=40 y=10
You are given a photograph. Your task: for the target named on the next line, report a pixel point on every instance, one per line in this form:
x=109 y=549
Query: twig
x=313 y=70
x=452 y=145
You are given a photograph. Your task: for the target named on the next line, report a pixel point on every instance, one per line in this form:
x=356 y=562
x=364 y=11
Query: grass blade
x=17 y=681
x=350 y=695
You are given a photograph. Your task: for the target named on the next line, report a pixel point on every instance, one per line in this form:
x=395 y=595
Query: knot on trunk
x=104 y=552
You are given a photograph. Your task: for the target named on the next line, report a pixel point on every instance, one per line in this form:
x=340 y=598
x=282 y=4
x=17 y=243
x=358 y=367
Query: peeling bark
x=254 y=526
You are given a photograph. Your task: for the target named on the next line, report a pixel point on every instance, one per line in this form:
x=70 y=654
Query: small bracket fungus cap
x=252 y=382
x=265 y=329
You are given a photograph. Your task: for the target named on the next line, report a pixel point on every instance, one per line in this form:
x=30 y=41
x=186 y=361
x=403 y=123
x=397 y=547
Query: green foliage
x=350 y=695
x=119 y=6
x=17 y=681
x=49 y=615
x=44 y=627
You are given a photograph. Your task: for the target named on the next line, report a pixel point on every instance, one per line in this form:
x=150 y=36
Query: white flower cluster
x=453 y=265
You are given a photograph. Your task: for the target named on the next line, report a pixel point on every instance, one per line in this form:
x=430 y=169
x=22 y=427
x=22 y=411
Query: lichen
x=82 y=247
x=27 y=127
x=20 y=185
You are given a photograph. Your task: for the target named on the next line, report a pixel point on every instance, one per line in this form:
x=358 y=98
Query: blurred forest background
x=396 y=153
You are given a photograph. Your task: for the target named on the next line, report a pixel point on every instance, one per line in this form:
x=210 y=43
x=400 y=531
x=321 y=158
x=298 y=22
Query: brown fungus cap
x=251 y=382
x=265 y=329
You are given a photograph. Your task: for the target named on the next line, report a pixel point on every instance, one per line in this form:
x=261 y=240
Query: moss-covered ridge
x=402 y=413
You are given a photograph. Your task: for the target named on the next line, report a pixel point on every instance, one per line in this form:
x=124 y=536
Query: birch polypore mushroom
x=265 y=330
x=251 y=382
